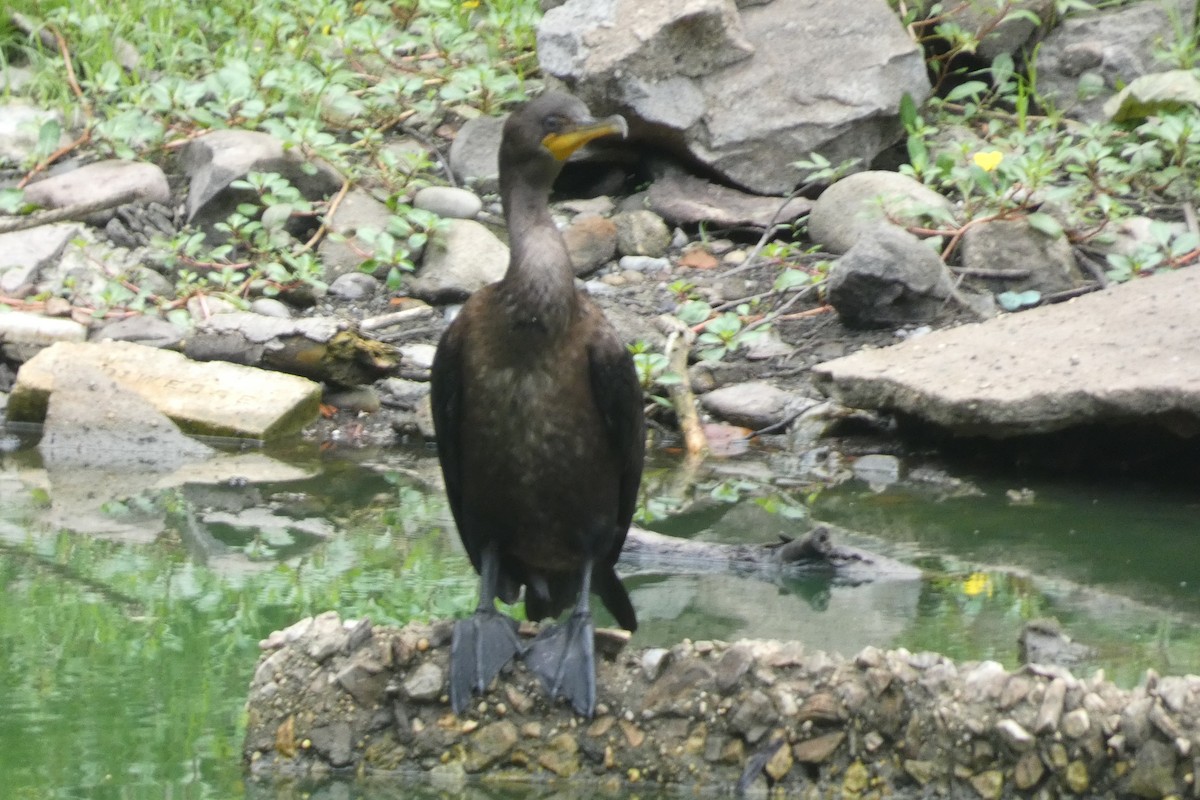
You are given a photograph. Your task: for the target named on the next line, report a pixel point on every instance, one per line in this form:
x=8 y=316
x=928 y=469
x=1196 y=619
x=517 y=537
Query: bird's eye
x=554 y=123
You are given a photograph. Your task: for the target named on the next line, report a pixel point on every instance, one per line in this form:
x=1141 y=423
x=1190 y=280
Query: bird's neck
x=539 y=285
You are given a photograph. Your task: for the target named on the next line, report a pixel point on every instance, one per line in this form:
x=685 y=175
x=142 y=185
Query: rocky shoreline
x=332 y=696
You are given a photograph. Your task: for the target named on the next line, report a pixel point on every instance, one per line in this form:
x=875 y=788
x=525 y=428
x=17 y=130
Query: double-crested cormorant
x=538 y=415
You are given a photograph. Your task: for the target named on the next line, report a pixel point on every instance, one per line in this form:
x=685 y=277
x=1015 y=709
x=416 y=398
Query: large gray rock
x=1083 y=61
x=1014 y=244
x=23 y=335
x=858 y=203
x=23 y=253
x=215 y=160
x=213 y=398
x=101 y=181
x=746 y=91
x=459 y=259
x=890 y=277
x=1126 y=354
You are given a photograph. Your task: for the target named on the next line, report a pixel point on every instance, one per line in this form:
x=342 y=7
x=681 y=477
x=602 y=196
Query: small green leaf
x=1044 y=223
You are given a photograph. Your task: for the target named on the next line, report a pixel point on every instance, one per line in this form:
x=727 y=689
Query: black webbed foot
x=480 y=647
x=563 y=657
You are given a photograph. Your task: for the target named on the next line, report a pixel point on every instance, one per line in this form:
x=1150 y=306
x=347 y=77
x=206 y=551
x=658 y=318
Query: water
x=133 y=604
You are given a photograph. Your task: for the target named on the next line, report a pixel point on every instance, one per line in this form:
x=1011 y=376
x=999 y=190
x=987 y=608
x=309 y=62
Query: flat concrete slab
x=212 y=398
x=1127 y=354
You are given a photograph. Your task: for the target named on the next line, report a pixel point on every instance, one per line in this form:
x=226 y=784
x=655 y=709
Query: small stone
x=642 y=233
x=1028 y=771
x=1076 y=723
x=1052 y=706
x=818 y=749
x=654 y=661
x=425 y=683
x=591 y=242
x=560 y=755
x=354 y=286
x=989 y=784
x=1077 y=777
x=489 y=745
x=270 y=307
x=857 y=778
x=920 y=771
x=633 y=734
x=1014 y=735
x=821 y=707
x=778 y=766
x=873 y=740
x=732 y=667
x=448 y=202
x=644 y=264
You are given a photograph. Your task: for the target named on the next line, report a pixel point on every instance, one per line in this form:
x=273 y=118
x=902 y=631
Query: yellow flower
x=988 y=160
x=470 y=4
x=976 y=584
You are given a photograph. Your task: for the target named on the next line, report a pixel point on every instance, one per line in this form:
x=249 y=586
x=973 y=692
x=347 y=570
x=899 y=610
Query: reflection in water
x=134 y=602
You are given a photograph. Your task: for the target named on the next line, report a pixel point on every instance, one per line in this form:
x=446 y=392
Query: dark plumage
x=539 y=426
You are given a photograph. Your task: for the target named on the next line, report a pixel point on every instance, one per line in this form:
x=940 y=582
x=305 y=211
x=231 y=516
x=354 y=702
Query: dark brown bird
x=539 y=426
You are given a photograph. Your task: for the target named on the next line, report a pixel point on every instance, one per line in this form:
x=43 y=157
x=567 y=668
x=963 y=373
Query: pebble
x=354 y=286
x=642 y=233
x=643 y=264
x=448 y=202
x=270 y=307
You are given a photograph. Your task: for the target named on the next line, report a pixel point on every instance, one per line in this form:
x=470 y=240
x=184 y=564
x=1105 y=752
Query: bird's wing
x=446 y=400
x=618 y=397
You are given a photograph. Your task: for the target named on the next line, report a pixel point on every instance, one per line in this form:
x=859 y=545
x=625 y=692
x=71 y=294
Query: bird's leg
x=484 y=642
x=563 y=656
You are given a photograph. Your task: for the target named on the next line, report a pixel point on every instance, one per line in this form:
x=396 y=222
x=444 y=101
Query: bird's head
x=548 y=129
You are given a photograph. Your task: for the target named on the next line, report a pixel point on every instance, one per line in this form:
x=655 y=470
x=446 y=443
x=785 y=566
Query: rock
x=560 y=755
x=144 y=330
x=1082 y=62
x=1153 y=774
x=418 y=356
x=23 y=253
x=878 y=470
x=1153 y=95
x=989 y=784
x=683 y=199
x=459 y=260
x=717 y=83
x=1051 y=710
x=94 y=422
x=858 y=203
x=425 y=684
x=819 y=749
x=641 y=233
x=354 y=286
x=448 y=201
x=754 y=405
x=952 y=377
x=591 y=241
x=1013 y=244
x=889 y=278
x=489 y=744
x=213 y=161
x=332 y=741
x=644 y=264
x=475 y=153
x=1042 y=641
x=344 y=252
x=216 y=399
x=1014 y=734
x=1010 y=32
x=732 y=667
x=20 y=127
x=270 y=307
x=23 y=334
x=100 y=181
x=1028 y=771
x=1076 y=723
